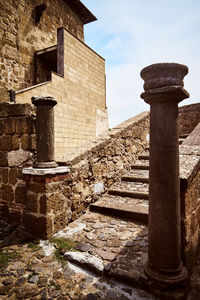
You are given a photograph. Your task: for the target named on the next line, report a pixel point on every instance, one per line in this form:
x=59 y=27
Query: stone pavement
x=34 y=272
x=105 y=249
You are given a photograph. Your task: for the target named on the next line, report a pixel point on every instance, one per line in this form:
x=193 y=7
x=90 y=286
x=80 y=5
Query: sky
x=132 y=34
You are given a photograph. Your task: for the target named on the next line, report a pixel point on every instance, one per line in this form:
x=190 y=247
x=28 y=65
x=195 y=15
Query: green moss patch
x=34 y=245
x=7 y=256
x=62 y=245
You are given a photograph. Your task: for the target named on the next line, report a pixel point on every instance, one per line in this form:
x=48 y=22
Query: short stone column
x=163 y=91
x=44 y=132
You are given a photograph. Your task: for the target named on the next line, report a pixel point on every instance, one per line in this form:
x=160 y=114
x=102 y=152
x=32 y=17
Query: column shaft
x=45 y=132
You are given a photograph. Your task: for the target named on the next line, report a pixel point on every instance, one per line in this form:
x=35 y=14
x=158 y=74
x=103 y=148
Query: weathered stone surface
x=189 y=117
x=106 y=255
x=84 y=247
x=17 y=158
x=86 y=259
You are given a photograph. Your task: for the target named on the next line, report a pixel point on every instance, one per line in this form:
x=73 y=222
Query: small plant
x=6 y=257
x=62 y=245
x=54 y=285
x=34 y=245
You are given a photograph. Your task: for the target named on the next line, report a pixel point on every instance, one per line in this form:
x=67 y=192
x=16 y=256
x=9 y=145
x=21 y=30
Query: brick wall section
x=17 y=147
x=189 y=117
x=104 y=160
x=80 y=95
x=21 y=37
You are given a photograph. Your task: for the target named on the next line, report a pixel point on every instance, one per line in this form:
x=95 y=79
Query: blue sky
x=132 y=34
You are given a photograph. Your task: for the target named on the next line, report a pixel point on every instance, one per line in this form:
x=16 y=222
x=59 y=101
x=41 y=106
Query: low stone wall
x=190 y=199
x=17 y=149
x=189 y=117
x=45 y=202
x=99 y=163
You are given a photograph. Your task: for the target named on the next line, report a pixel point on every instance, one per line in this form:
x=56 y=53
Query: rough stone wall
x=21 y=37
x=190 y=203
x=17 y=147
x=189 y=117
x=45 y=203
x=80 y=95
x=99 y=163
x=48 y=208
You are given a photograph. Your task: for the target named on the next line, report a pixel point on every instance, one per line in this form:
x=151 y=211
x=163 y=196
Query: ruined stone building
x=43 y=54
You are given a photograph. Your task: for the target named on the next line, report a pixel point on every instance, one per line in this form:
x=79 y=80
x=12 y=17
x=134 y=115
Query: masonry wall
x=97 y=164
x=189 y=117
x=44 y=202
x=80 y=95
x=17 y=149
x=190 y=197
x=20 y=37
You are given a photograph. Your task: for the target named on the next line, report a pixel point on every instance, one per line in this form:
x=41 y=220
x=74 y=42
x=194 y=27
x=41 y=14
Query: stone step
x=141 y=165
x=131 y=186
x=131 y=194
x=184 y=136
x=144 y=156
x=136 y=176
x=138 y=173
x=181 y=140
x=133 y=178
x=134 y=209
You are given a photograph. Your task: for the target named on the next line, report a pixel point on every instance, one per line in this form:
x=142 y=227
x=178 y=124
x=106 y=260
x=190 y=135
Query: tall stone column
x=45 y=132
x=163 y=91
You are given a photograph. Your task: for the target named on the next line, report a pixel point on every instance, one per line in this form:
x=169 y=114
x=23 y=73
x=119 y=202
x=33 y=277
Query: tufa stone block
x=39 y=226
x=20 y=193
x=4 y=175
x=7 y=192
x=31 y=202
x=9 y=126
x=24 y=125
x=6 y=143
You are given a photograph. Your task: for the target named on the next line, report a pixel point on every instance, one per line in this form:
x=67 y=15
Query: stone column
x=163 y=91
x=45 y=132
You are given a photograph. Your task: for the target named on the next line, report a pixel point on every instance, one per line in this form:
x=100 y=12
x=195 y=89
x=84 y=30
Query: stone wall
x=17 y=148
x=21 y=37
x=48 y=206
x=190 y=200
x=80 y=95
x=189 y=117
x=97 y=164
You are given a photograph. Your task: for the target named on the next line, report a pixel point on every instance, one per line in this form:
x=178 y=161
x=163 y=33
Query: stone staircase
x=112 y=237
x=129 y=197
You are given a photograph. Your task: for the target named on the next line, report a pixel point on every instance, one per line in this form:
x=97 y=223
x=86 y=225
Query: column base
x=45 y=165
x=166 y=279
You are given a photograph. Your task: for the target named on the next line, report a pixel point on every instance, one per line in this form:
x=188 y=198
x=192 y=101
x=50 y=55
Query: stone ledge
x=90 y=147
x=50 y=171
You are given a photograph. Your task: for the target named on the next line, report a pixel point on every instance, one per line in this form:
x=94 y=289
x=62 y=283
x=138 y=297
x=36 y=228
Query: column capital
x=163 y=82
x=50 y=101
